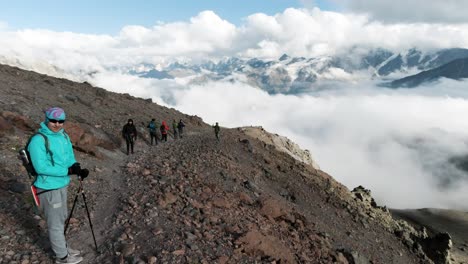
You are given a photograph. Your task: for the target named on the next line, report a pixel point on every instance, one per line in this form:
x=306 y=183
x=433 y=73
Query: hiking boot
x=74 y=252
x=70 y=259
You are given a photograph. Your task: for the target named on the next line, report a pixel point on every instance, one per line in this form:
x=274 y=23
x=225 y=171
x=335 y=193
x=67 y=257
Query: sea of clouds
x=397 y=143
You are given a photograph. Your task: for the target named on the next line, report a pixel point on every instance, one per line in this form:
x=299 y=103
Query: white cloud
x=297 y=32
x=410 y=11
x=206 y=34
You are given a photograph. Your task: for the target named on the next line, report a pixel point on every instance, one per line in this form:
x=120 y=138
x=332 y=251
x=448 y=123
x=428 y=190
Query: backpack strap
x=66 y=135
x=46 y=140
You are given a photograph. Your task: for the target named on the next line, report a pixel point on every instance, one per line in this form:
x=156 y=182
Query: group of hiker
x=177 y=130
x=129 y=132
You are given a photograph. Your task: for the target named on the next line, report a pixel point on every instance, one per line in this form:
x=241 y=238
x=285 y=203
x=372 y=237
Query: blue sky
x=109 y=16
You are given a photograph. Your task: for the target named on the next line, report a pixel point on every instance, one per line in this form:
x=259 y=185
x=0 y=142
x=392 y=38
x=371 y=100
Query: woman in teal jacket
x=53 y=165
x=51 y=175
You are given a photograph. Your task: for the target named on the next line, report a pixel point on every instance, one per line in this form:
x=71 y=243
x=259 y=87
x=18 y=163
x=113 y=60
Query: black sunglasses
x=56 y=121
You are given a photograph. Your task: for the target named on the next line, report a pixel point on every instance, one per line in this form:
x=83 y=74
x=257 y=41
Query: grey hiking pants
x=54 y=206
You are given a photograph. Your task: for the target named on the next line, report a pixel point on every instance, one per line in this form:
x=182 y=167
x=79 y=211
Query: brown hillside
x=190 y=200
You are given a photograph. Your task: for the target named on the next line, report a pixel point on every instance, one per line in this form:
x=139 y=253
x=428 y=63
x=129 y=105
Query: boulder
x=272 y=209
x=18 y=187
x=169 y=198
x=84 y=140
x=5 y=127
x=245 y=198
x=221 y=202
x=128 y=250
x=438 y=247
x=257 y=244
x=152 y=260
x=10 y=120
x=355 y=257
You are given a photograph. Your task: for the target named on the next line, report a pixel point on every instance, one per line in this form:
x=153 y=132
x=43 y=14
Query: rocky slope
x=282 y=144
x=190 y=200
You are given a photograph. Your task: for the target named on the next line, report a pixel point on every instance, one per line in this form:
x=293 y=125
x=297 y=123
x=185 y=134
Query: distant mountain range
x=457 y=69
x=294 y=75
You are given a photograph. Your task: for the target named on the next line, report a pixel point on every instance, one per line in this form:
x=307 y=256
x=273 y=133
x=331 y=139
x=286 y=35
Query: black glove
x=83 y=173
x=74 y=169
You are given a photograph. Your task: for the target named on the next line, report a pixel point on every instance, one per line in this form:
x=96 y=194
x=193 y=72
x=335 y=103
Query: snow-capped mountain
x=456 y=69
x=293 y=75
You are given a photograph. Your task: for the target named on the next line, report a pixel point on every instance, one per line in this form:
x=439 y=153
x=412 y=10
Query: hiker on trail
x=164 y=128
x=216 y=130
x=180 y=128
x=129 y=132
x=174 y=128
x=53 y=160
x=152 y=131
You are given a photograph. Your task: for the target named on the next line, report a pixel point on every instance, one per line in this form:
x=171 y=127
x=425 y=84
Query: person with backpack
x=53 y=160
x=174 y=128
x=180 y=127
x=216 y=130
x=152 y=131
x=129 y=132
x=164 y=128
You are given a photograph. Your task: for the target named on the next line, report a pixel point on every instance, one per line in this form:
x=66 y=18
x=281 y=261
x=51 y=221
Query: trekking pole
x=73 y=208
x=89 y=216
x=80 y=189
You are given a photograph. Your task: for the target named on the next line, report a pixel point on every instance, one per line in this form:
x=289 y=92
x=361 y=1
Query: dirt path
x=102 y=189
x=104 y=193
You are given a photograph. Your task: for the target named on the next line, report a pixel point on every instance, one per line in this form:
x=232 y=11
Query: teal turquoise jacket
x=51 y=176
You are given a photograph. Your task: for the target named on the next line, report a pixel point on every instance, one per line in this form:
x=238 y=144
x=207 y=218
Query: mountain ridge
x=456 y=69
x=285 y=75
x=294 y=75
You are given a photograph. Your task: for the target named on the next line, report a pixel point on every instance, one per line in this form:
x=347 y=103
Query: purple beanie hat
x=56 y=113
